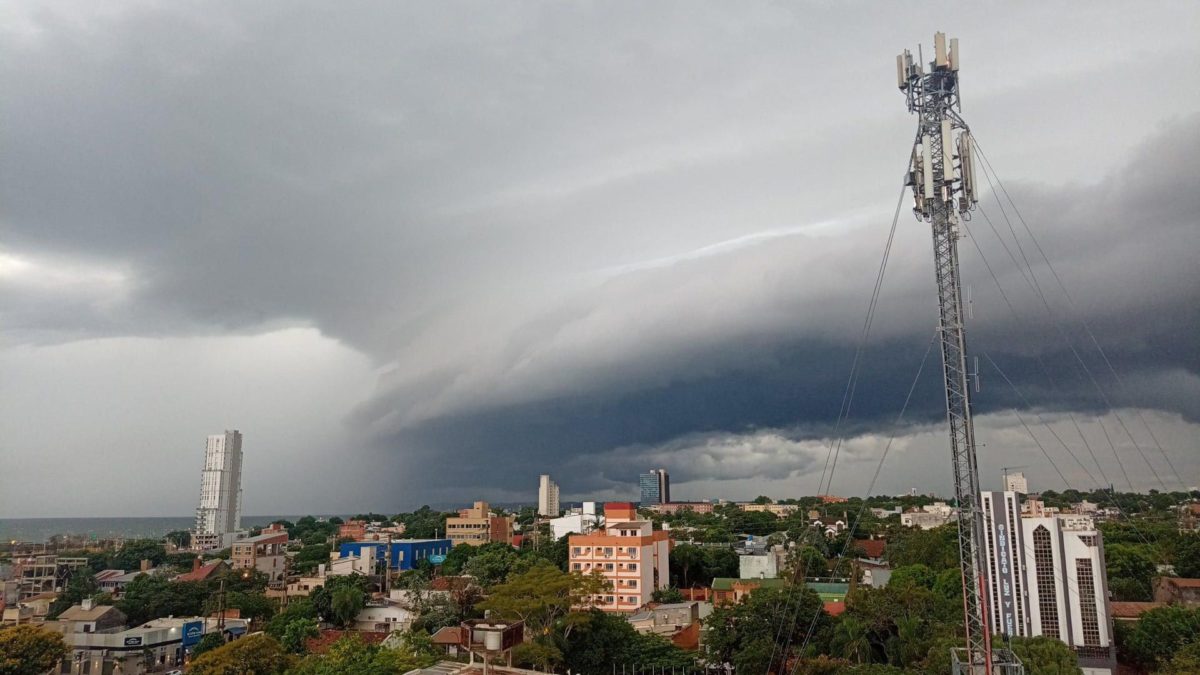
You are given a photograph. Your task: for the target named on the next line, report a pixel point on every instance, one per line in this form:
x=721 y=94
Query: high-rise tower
x=548 y=497
x=219 y=515
x=655 y=486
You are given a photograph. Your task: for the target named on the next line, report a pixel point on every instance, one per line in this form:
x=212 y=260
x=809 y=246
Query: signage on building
x=133 y=641
x=437 y=558
x=192 y=632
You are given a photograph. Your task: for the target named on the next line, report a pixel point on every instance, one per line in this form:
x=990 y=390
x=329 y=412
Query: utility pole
x=944 y=192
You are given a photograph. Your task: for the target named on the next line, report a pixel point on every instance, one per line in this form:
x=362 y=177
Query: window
x=576 y=566
x=633 y=583
x=608 y=550
x=1043 y=563
x=632 y=552
x=632 y=567
x=576 y=551
x=1087 y=602
x=608 y=566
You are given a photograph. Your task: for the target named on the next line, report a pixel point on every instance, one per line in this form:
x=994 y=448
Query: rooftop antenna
x=943 y=193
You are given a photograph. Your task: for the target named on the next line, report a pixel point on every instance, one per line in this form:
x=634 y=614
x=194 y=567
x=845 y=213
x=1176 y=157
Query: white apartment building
x=1016 y=482
x=219 y=516
x=579 y=521
x=1046 y=576
x=548 y=497
x=631 y=555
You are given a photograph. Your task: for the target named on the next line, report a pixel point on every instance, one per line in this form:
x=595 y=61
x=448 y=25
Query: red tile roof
x=448 y=635
x=1182 y=583
x=873 y=548
x=834 y=608
x=202 y=573
x=1132 y=610
x=322 y=643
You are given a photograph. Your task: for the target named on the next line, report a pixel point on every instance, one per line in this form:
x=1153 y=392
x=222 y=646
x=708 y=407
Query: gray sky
x=422 y=253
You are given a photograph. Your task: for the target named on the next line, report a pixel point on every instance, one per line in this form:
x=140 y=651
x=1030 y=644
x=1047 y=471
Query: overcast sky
x=423 y=252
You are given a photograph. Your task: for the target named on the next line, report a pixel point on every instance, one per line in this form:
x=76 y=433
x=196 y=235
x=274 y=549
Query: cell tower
x=943 y=192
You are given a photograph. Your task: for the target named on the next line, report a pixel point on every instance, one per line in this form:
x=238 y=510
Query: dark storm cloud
x=762 y=336
x=562 y=232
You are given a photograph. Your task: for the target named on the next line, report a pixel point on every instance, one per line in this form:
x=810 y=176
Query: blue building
x=400 y=555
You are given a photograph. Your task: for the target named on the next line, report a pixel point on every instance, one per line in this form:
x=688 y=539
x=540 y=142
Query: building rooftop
x=78 y=613
x=1181 y=582
x=447 y=635
x=264 y=538
x=726 y=583
x=1133 y=610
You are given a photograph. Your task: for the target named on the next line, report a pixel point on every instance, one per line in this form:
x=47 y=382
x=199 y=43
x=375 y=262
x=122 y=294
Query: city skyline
x=589 y=239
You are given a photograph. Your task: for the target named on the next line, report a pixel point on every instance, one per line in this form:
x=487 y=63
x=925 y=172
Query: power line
x=1082 y=319
x=988 y=175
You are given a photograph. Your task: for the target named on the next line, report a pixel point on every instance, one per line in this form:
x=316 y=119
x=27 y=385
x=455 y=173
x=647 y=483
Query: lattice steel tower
x=943 y=192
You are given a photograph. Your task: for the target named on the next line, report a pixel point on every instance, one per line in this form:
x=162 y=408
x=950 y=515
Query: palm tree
x=852 y=637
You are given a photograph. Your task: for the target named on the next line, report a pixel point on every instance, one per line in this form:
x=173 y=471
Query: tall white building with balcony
x=1046 y=576
x=219 y=516
x=548 y=497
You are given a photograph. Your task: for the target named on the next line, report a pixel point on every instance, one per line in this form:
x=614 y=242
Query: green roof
x=726 y=583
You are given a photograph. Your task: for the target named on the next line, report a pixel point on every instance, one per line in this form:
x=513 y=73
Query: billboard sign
x=437 y=558
x=192 y=632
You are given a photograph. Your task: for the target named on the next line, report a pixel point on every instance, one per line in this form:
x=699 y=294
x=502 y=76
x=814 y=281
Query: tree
x=1131 y=570
x=542 y=596
x=936 y=548
x=457 y=558
x=180 y=538
x=667 y=595
x=82 y=585
x=151 y=596
x=1186 y=661
x=133 y=552
x=1044 y=655
x=600 y=640
x=351 y=654
x=491 y=564
x=851 y=640
x=254 y=606
x=1158 y=635
x=209 y=642
x=1187 y=556
x=322 y=598
x=30 y=650
x=300 y=608
x=914 y=575
x=256 y=654
x=687 y=564
x=296 y=634
x=537 y=654
x=773 y=622
x=345 y=602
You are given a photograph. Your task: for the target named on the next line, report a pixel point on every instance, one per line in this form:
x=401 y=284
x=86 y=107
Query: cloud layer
x=583 y=237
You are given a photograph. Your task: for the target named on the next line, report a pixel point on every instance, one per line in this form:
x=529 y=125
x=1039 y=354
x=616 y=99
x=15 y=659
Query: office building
x=219 y=516
x=548 y=497
x=398 y=555
x=1046 y=576
x=477 y=525
x=1016 y=482
x=656 y=487
x=631 y=555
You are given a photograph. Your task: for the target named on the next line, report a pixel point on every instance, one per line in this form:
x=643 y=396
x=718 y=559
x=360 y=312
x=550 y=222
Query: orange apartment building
x=631 y=555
